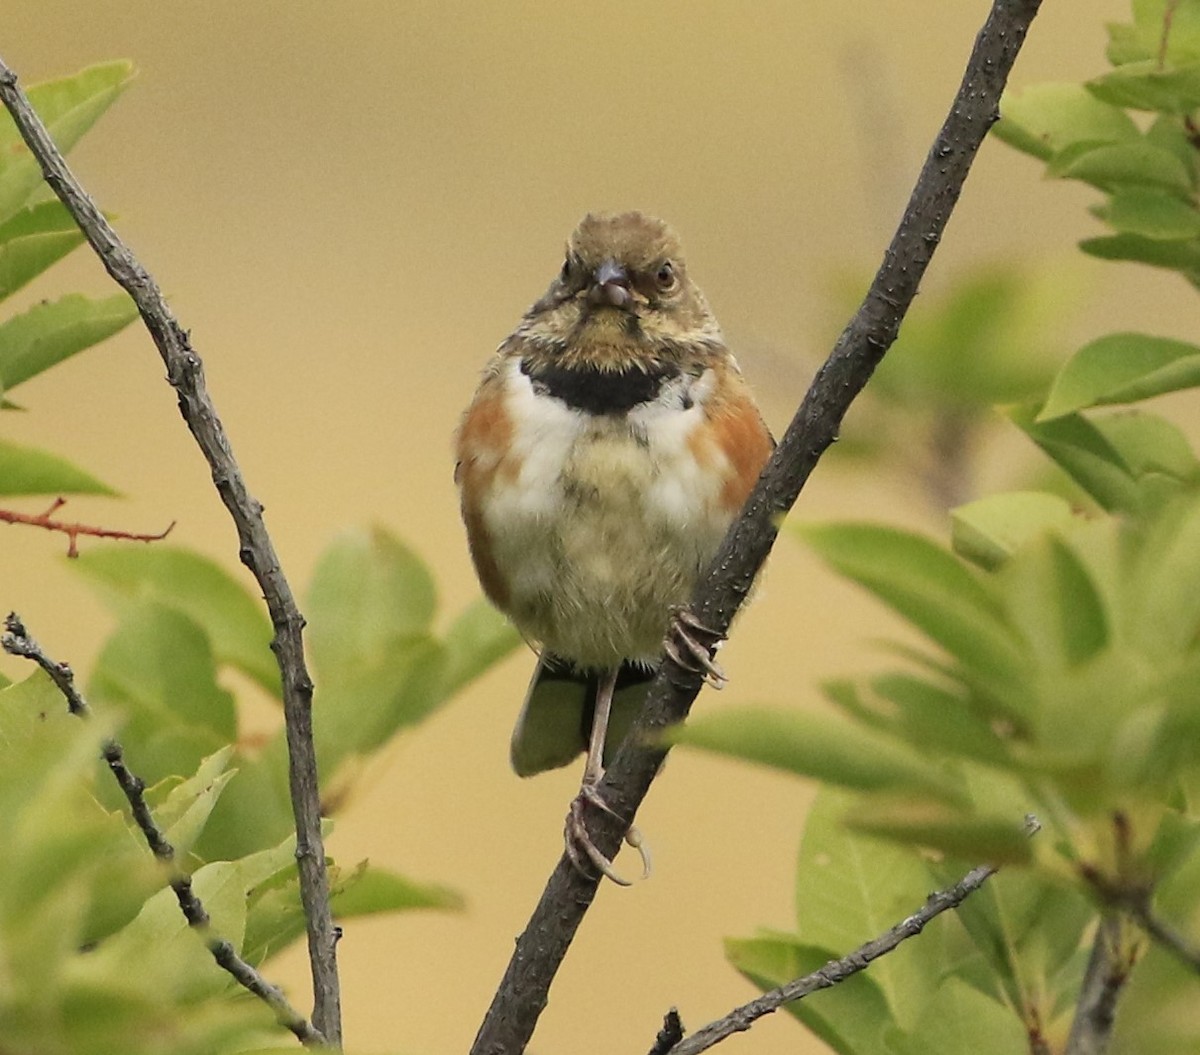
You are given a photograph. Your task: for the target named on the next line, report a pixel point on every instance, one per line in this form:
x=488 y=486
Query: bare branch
x=1166 y=935
x=522 y=993
x=17 y=642
x=74 y=530
x=185 y=372
x=1107 y=971
x=742 y=1018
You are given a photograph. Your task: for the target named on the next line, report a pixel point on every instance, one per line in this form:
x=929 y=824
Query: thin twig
x=17 y=642
x=185 y=372
x=1105 y=977
x=742 y=1018
x=1166 y=935
x=73 y=531
x=522 y=993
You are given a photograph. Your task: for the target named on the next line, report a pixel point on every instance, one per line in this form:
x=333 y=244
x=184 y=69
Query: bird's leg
x=688 y=631
x=579 y=844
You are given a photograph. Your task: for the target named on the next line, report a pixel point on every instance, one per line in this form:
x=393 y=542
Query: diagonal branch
x=742 y=1018
x=17 y=642
x=185 y=372
x=522 y=993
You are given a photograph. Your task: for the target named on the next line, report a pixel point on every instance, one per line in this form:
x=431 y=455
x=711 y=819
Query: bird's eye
x=565 y=274
x=665 y=276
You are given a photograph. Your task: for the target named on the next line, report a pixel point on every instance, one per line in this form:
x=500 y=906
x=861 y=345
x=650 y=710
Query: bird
x=609 y=445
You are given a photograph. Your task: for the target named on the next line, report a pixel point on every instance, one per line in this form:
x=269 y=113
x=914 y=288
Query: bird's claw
x=579 y=843
x=696 y=655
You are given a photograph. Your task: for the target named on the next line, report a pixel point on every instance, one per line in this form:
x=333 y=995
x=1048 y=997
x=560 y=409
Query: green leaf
x=377 y=666
x=33 y=240
x=1087 y=455
x=813 y=746
x=476 y=640
x=234 y=620
x=163 y=946
x=927 y=586
x=850 y=889
x=1122 y=368
x=1149 y=445
x=1152 y=214
x=1183 y=256
x=928 y=716
x=1164 y=609
x=919 y=822
x=254 y=810
x=959 y=1019
x=368 y=592
x=55 y=330
x=1005 y=315
x=1047 y=118
x=1054 y=599
x=1147 y=85
x=1138 y=164
x=184 y=810
x=158 y=669
x=68 y=106
x=1028 y=931
x=1144 y=38
x=28 y=471
x=376 y=890
x=990 y=530
x=850 y=1017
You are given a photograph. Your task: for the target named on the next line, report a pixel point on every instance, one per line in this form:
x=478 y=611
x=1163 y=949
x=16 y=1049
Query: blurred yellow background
x=350 y=204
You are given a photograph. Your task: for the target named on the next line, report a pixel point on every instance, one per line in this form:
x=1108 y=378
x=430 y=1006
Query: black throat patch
x=600 y=391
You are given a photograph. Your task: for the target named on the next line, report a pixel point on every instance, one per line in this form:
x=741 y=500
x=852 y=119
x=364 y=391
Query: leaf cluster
x=35 y=233
x=1130 y=134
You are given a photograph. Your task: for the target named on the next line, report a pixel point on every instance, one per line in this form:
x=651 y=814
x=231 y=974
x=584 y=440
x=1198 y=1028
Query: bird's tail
x=556 y=719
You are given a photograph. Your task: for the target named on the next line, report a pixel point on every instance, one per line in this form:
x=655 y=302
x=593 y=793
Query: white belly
x=608 y=523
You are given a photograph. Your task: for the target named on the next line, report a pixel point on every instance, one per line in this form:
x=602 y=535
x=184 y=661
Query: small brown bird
x=611 y=442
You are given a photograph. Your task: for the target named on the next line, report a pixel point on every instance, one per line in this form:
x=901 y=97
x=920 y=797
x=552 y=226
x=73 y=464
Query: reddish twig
x=73 y=531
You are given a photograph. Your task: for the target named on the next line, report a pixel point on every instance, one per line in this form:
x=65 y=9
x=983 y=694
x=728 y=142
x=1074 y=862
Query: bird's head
x=623 y=292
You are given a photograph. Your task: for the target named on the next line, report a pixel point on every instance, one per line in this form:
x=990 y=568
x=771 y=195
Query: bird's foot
x=696 y=653
x=580 y=847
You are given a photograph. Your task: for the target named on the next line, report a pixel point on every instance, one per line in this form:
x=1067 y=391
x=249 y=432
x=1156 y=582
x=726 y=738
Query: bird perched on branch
x=609 y=445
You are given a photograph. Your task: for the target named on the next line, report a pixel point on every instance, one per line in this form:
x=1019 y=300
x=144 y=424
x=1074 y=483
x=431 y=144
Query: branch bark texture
x=185 y=372
x=523 y=991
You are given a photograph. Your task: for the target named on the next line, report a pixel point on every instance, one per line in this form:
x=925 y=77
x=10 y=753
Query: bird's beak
x=610 y=286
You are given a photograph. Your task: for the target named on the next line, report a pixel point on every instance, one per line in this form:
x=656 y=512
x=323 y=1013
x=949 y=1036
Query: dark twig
x=185 y=372
x=1107 y=971
x=17 y=642
x=670 y=1034
x=742 y=1018
x=73 y=531
x=522 y=993
x=1166 y=935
